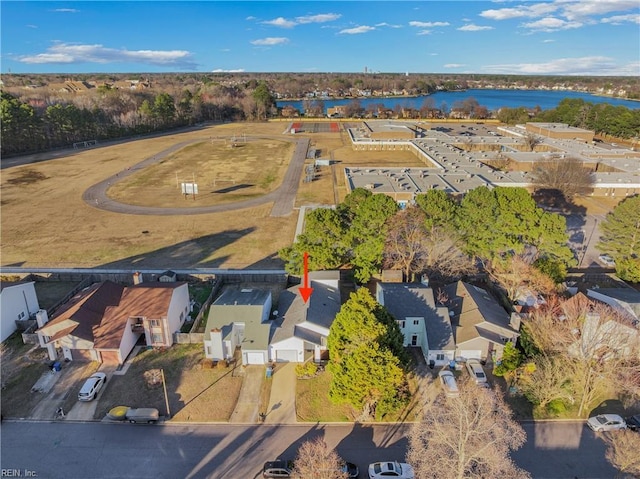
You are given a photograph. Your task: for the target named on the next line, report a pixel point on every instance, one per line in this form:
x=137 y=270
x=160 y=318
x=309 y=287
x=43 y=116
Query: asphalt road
x=554 y=450
x=283 y=197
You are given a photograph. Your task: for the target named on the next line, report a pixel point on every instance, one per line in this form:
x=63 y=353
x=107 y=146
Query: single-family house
x=605 y=336
x=239 y=318
x=18 y=302
x=624 y=300
x=104 y=321
x=303 y=328
x=481 y=326
x=423 y=324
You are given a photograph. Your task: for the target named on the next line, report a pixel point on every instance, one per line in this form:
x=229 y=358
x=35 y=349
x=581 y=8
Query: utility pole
x=166 y=398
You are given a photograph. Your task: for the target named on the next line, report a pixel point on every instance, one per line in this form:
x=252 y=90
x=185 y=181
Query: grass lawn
x=195 y=393
x=313 y=403
x=22 y=366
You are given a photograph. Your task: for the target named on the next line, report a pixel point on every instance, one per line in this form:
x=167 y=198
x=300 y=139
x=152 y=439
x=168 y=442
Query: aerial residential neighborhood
x=320 y=240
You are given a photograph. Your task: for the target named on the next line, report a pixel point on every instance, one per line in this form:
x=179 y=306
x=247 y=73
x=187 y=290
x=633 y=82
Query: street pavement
x=69 y=450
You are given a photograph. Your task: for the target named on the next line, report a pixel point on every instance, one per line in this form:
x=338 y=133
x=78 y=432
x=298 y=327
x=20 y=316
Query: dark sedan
x=633 y=422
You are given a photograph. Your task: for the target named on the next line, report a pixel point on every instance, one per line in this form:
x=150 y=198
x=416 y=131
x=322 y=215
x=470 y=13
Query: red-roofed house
x=104 y=321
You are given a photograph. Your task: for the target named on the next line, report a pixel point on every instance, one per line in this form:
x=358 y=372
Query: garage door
x=110 y=357
x=286 y=356
x=471 y=354
x=82 y=354
x=255 y=358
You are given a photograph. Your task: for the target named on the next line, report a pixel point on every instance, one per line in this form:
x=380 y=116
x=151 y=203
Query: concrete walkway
x=246 y=410
x=282 y=403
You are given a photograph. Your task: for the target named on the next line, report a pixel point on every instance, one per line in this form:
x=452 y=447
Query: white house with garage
x=18 y=302
x=303 y=328
x=239 y=318
x=422 y=323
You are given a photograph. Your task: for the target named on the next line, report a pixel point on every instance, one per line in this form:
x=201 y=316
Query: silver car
x=92 y=386
x=606 y=422
x=477 y=373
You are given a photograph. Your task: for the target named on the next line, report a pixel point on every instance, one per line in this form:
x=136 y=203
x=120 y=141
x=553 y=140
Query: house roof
x=84 y=311
x=404 y=300
x=150 y=300
x=10 y=284
x=629 y=296
x=320 y=310
x=241 y=306
x=477 y=314
x=100 y=312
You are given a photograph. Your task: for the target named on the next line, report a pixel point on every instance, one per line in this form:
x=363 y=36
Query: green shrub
x=307 y=369
x=556 y=407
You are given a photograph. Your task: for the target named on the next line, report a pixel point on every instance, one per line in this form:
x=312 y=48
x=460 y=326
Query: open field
x=45 y=222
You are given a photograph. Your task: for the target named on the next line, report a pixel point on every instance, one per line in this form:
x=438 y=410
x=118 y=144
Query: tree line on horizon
x=35 y=120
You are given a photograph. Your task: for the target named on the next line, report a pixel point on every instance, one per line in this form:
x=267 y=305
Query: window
x=156 y=338
x=21 y=315
x=154 y=323
x=439 y=357
x=414 y=340
x=416 y=322
x=401 y=324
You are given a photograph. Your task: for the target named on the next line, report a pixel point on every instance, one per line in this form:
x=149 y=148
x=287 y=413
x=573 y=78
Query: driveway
x=282 y=403
x=246 y=411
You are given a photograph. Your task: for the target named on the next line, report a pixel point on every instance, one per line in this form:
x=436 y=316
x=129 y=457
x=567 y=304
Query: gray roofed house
x=239 y=318
x=480 y=325
x=305 y=327
x=423 y=324
x=625 y=300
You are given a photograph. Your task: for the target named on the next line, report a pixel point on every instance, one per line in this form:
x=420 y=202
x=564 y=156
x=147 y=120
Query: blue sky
x=557 y=37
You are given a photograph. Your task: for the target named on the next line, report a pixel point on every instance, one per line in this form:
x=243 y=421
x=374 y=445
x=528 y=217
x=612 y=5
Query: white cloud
x=303 y=20
x=424 y=32
x=357 y=30
x=280 y=22
x=428 y=24
x=548 y=41
x=453 y=65
x=531 y=11
x=473 y=28
x=619 y=19
x=66 y=10
x=551 y=24
x=270 y=41
x=78 y=53
x=385 y=24
x=595 y=65
x=32 y=26
x=320 y=18
x=579 y=10
x=221 y=70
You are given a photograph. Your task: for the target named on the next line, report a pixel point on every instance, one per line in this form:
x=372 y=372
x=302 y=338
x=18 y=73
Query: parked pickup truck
x=149 y=415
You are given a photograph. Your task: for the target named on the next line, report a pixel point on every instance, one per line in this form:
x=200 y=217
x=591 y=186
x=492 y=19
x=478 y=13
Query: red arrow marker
x=305 y=290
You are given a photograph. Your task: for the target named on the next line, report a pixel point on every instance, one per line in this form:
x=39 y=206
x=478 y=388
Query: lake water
x=492 y=99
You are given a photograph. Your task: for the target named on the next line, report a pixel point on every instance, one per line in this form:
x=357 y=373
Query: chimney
x=514 y=321
x=424 y=279
x=41 y=317
x=137 y=277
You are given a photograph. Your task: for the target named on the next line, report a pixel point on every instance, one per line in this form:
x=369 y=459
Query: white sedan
x=606 y=422
x=382 y=470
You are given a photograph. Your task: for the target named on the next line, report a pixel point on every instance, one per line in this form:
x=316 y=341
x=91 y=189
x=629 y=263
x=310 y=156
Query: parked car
x=149 y=415
x=382 y=470
x=278 y=468
x=92 y=386
x=633 y=422
x=351 y=469
x=607 y=260
x=477 y=373
x=448 y=382
x=606 y=422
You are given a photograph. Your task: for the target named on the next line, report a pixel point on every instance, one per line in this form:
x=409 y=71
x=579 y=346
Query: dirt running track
x=283 y=197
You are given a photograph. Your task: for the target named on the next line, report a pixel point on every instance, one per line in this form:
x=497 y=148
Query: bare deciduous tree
x=315 y=459
x=469 y=436
x=405 y=246
x=531 y=140
x=548 y=382
x=566 y=175
x=622 y=452
x=516 y=272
